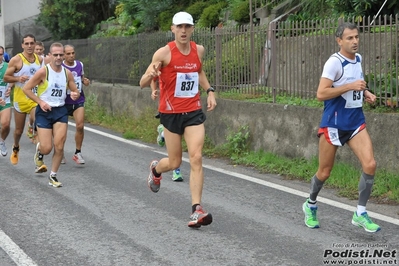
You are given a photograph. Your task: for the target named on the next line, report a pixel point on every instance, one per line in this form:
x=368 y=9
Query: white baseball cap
x=182 y=18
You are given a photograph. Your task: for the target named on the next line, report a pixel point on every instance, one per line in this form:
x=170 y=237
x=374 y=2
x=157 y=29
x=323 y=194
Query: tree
x=352 y=8
x=147 y=11
x=154 y=14
x=73 y=19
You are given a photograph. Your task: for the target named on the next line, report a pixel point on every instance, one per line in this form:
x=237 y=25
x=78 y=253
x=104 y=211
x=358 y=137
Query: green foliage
x=313 y=10
x=320 y=9
x=355 y=8
x=379 y=29
x=72 y=19
x=149 y=11
x=121 y=25
x=165 y=20
x=268 y=162
x=93 y=112
x=386 y=185
x=130 y=6
x=196 y=9
x=211 y=15
x=238 y=143
x=264 y=95
x=240 y=62
x=135 y=71
x=131 y=128
x=385 y=84
x=240 y=12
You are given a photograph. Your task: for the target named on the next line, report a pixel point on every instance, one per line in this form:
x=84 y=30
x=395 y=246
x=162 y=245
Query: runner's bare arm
x=14 y=66
x=75 y=94
x=37 y=78
x=159 y=59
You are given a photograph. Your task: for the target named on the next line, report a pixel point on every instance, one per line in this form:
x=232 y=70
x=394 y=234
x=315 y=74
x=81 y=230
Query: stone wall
x=282 y=129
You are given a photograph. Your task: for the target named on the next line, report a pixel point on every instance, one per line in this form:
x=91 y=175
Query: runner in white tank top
x=51 y=113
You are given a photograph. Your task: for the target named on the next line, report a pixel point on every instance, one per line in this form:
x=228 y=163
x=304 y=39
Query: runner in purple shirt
x=76 y=108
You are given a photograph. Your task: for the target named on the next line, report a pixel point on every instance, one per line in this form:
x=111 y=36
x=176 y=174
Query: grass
x=344 y=177
x=263 y=96
x=131 y=128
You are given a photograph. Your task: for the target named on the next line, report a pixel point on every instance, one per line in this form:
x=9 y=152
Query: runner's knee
x=324 y=173
x=196 y=159
x=45 y=148
x=370 y=167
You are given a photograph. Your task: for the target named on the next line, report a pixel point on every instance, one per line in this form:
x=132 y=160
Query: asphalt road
x=106 y=215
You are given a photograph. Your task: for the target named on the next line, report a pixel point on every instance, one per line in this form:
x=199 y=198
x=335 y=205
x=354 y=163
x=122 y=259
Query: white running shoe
x=3 y=149
x=78 y=158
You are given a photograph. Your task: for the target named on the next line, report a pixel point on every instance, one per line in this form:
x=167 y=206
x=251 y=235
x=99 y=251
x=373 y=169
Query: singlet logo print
x=32 y=71
x=189 y=66
x=74 y=74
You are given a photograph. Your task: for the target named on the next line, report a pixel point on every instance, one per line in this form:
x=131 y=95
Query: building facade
x=17 y=18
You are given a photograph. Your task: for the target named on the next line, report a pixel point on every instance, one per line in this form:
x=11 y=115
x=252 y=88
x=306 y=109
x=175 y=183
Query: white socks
x=360 y=210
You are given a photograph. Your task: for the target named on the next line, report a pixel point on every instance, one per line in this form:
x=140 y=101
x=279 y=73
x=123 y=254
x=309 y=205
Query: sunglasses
x=57 y=55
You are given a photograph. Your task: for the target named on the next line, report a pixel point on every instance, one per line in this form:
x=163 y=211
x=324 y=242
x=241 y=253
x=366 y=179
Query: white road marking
x=22 y=259
x=15 y=252
x=333 y=203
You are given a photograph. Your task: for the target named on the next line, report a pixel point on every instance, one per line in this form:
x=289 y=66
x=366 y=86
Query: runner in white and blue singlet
x=342 y=88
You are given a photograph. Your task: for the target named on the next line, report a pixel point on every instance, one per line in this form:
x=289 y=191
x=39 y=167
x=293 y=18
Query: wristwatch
x=210 y=89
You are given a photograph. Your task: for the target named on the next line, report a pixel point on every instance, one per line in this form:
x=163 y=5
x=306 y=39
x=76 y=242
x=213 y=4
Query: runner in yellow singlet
x=20 y=69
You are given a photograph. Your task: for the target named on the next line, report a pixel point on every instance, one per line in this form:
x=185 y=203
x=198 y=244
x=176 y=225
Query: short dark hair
x=341 y=28
x=28 y=36
x=2 y=48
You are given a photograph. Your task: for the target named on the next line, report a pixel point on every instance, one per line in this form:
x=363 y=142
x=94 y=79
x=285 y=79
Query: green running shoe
x=177 y=175
x=310 y=216
x=364 y=221
x=160 y=139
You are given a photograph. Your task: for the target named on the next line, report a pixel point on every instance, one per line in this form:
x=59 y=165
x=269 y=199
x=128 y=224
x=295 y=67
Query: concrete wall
x=282 y=129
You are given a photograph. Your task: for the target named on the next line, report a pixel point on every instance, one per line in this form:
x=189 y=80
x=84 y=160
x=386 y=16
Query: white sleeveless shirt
x=53 y=89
